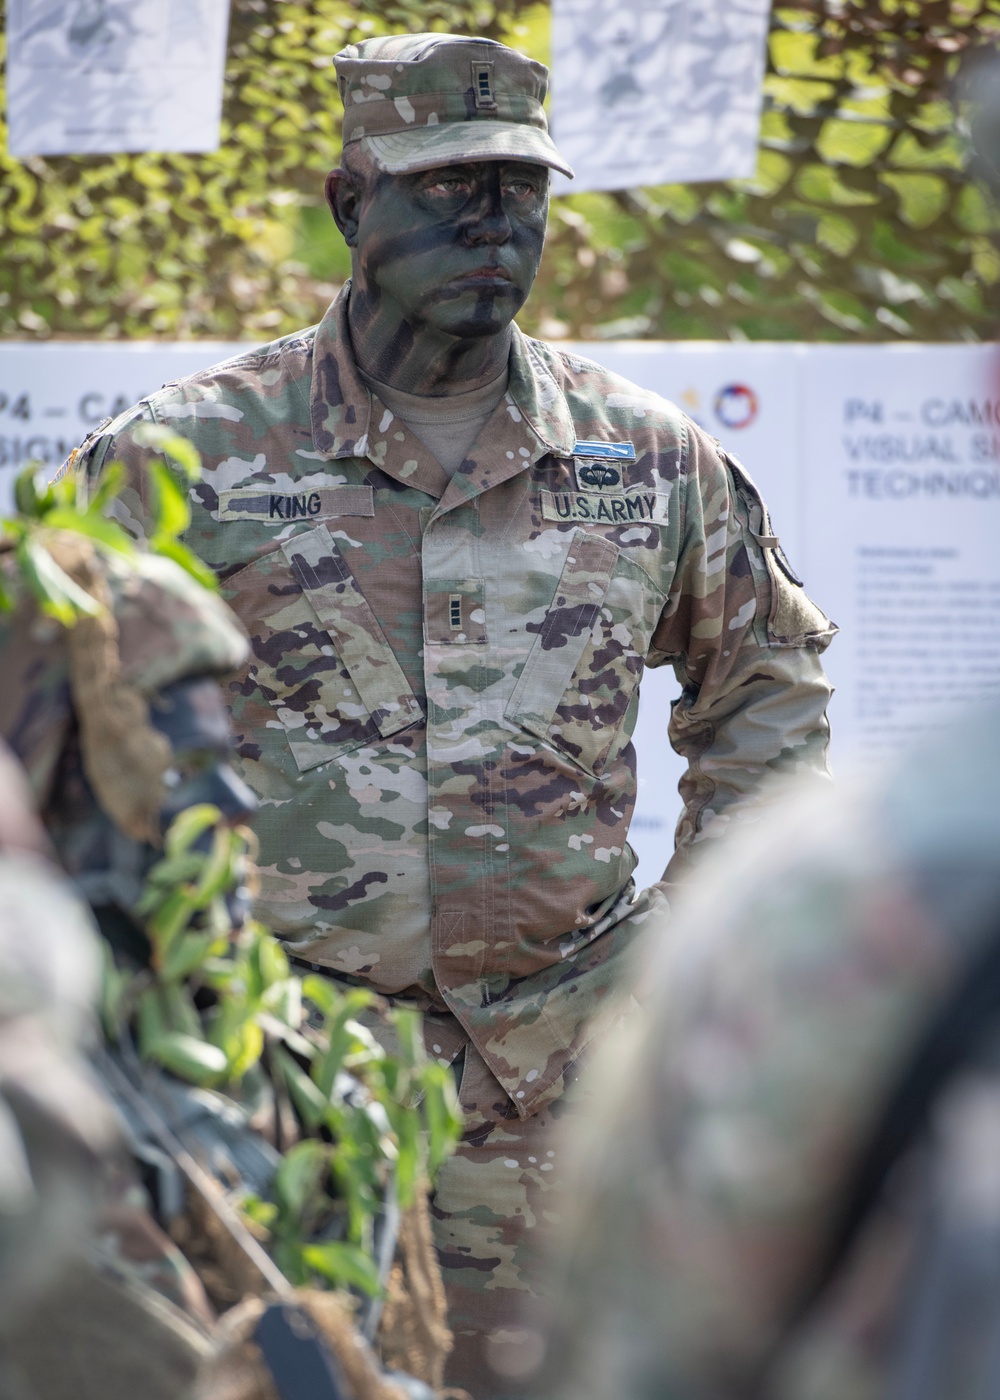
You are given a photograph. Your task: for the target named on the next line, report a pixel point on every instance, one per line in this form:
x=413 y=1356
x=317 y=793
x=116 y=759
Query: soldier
x=455 y=549
x=793 y=1192
x=119 y=720
x=120 y=723
x=56 y=1128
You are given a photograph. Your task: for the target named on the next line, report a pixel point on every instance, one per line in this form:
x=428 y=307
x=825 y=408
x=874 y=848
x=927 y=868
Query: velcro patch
x=589 y=448
x=605 y=509
x=255 y=503
x=593 y=474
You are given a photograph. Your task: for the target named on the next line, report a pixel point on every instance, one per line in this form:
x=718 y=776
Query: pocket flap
x=579 y=596
x=343 y=611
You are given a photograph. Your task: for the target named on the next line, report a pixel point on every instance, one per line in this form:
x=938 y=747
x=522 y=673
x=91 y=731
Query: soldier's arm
x=744 y=640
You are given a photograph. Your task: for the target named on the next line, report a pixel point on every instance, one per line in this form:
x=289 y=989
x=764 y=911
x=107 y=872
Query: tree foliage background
x=864 y=220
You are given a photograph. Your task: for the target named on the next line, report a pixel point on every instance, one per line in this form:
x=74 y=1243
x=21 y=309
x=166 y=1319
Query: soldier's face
x=455 y=248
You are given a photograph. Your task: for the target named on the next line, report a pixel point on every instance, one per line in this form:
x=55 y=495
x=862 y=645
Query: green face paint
x=443 y=260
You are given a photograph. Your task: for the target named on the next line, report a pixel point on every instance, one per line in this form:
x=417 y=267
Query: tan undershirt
x=446 y=424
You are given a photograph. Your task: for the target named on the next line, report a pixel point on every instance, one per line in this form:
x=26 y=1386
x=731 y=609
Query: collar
x=532 y=419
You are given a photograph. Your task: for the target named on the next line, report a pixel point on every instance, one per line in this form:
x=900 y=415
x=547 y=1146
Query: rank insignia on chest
x=600 y=466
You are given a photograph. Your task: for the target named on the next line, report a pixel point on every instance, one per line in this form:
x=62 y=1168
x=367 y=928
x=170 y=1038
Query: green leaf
x=321 y=992
x=284 y=1000
x=188 y=825
x=185 y=559
x=168 y=921
x=108 y=487
x=164 y=875
x=343 y=1264
x=244 y=1050
x=189 y=1058
x=260 y=1213
x=114 y=986
x=189 y=954
x=96 y=527
x=217 y=873
x=182 y=453
x=180 y=1011
x=151 y=1020
x=307 y=1098
x=55 y=592
x=272 y=960
x=299 y=1173
x=345 y=1037
x=169 y=507
x=31 y=496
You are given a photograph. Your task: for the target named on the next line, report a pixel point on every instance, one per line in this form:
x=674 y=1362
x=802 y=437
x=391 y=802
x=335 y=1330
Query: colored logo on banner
x=736 y=406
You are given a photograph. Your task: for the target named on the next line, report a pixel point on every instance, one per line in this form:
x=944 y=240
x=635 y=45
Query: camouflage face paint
x=443 y=260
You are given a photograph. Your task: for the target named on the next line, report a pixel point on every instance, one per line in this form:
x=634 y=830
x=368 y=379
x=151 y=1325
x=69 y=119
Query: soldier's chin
x=485 y=316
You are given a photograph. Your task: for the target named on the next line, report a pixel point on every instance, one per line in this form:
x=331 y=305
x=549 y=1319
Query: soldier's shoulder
x=267 y=367
x=227 y=391
x=597 y=394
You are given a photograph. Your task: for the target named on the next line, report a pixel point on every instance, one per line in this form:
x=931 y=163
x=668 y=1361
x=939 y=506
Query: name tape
x=605 y=510
x=254 y=503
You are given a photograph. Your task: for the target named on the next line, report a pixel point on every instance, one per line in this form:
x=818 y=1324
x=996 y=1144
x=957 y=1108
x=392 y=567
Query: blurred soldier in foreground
x=118 y=719
x=120 y=724
x=455 y=550
x=55 y=1128
x=792 y=1191
x=121 y=721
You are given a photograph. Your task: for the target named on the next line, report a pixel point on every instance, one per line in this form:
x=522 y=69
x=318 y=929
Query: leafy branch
x=212 y=1010
x=44 y=508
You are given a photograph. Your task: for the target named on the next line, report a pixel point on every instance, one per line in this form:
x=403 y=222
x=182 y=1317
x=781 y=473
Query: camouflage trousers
x=492 y=1205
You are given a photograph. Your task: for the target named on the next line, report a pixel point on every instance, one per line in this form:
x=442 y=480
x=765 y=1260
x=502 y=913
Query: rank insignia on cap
x=482 y=85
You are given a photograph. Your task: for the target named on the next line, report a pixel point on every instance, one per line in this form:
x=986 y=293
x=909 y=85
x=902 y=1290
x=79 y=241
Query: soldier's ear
x=343 y=194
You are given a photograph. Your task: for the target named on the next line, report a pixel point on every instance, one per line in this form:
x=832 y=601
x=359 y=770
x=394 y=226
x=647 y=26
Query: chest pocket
x=583 y=670
x=319 y=656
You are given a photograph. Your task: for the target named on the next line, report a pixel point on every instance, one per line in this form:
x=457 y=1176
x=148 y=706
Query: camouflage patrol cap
x=422 y=100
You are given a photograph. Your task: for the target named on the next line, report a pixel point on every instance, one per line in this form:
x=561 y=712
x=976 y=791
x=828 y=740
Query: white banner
x=902 y=522
x=648 y=92
x=103 y=76
x=881 y=467
x=52 y=396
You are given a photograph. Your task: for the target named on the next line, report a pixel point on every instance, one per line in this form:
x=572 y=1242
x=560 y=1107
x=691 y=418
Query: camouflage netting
x=863 y=221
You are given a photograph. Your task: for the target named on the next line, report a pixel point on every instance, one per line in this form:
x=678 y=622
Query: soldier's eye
x=452 y=186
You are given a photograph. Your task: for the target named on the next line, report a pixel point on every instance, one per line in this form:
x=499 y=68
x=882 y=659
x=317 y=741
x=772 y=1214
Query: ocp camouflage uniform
x=791 y=1189
x=438 y=711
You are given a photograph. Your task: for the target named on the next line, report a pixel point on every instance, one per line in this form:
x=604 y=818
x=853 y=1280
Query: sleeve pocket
x=793 y=619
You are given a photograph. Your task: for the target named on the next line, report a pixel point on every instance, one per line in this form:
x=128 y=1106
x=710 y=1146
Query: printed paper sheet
x=656 y=91
x=103 y=76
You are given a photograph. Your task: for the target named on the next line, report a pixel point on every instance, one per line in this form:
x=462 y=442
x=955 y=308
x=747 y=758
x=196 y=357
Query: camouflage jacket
x=444 y=682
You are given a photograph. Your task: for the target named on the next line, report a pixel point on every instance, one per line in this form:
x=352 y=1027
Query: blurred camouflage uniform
x=93 y=684
x=86 y=708
x=438 y=711
x=94 y=1300
x=746 y=1216
x=53 y=1125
